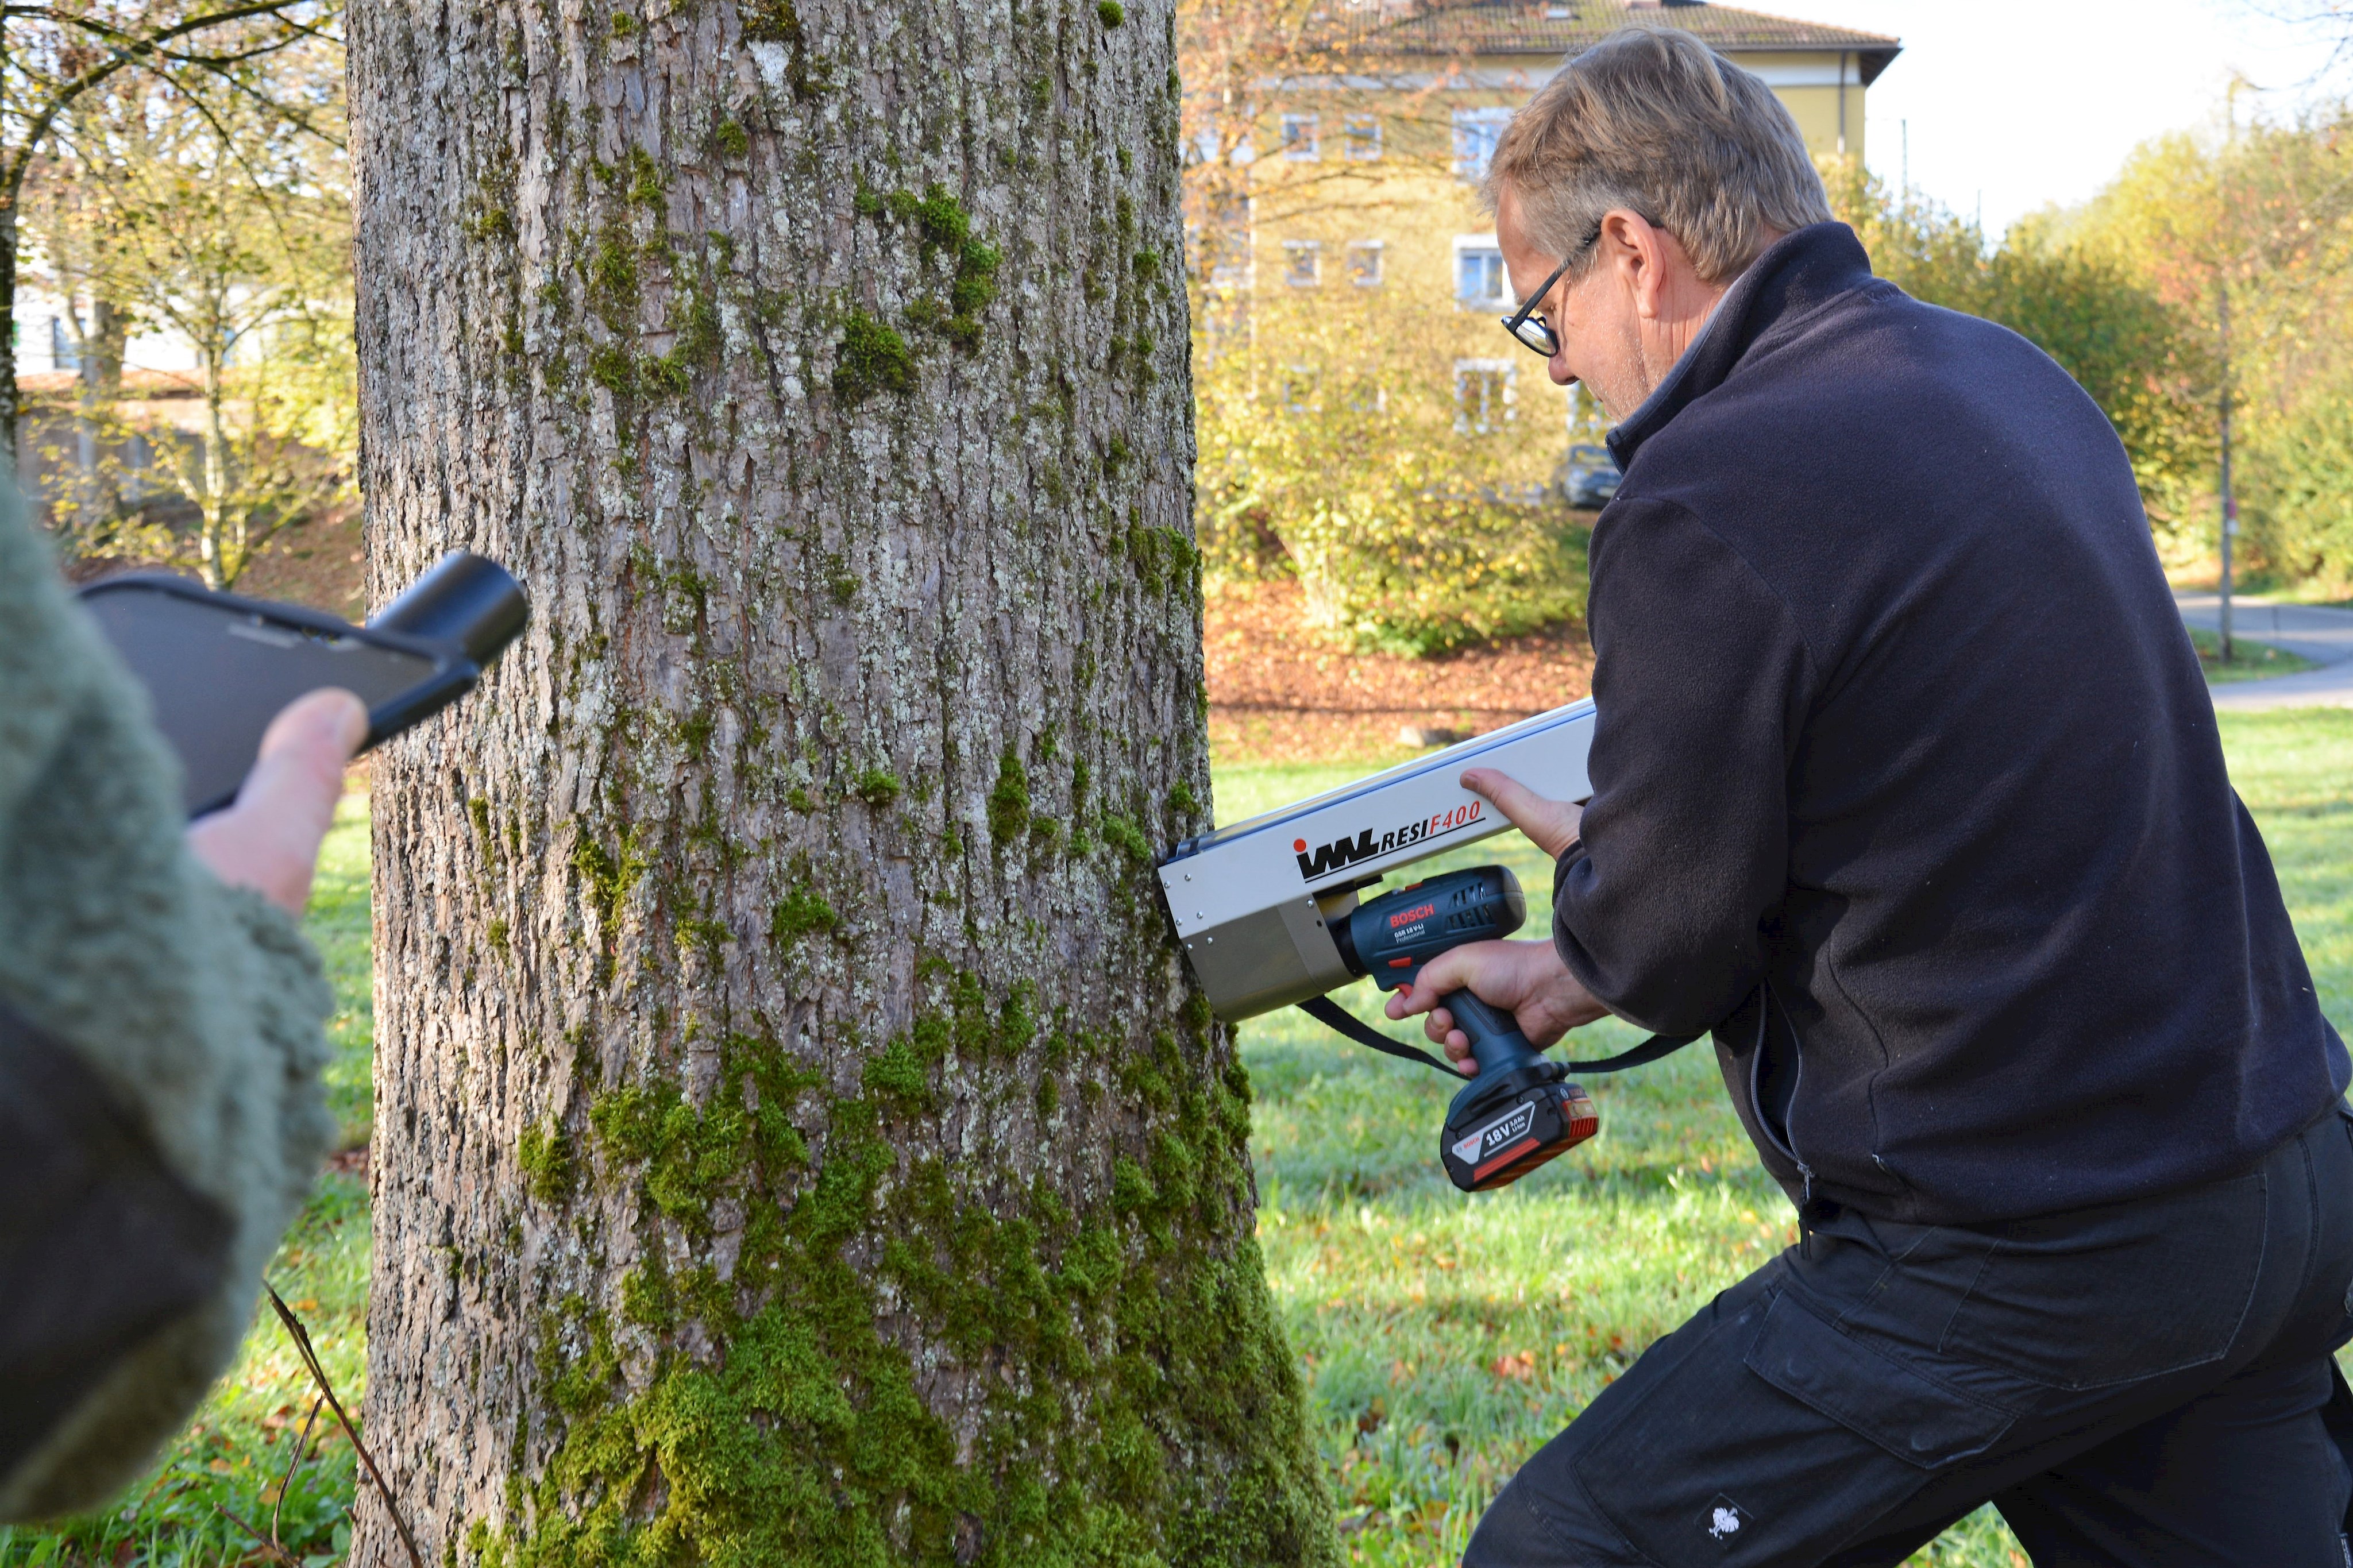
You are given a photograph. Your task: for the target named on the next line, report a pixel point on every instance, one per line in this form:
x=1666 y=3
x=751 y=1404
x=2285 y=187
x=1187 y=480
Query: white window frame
x=1475 y=134
x=1231 y=231
x=1310 y=251
x=1297 y=392
x=1484 y=245
x=1507 y=373
x=1362 y=138
x=1376 y=253
x=1301 y=142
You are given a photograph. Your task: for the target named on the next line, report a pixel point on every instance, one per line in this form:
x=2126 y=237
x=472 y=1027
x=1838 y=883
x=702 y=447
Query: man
x=1907 y=785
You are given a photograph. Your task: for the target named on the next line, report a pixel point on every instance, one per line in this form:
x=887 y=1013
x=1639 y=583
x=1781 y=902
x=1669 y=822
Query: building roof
x=1472 y=28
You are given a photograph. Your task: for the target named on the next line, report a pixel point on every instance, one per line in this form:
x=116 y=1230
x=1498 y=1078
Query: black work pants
x=2148 y=1382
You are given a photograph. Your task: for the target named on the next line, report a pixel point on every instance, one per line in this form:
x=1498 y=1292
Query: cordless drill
x=1519 y=1111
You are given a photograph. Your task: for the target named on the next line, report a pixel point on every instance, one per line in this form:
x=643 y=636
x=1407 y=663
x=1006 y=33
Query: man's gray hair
x=1653 y=119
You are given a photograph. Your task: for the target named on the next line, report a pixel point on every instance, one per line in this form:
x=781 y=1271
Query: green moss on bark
x=546 y=1155
x=797 y=913
x=610 y=873
x=1009 y=800
x=871 y=358
x=1124 y=1336
x=1123 y=835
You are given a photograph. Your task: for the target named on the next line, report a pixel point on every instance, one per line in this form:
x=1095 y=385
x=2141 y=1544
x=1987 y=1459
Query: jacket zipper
x=1785 y=1137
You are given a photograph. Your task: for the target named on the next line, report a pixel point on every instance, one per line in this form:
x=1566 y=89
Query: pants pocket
x=2087 y=1299
x=1773 y=1442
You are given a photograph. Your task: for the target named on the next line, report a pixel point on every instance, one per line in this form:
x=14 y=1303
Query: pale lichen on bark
x=798 y=1140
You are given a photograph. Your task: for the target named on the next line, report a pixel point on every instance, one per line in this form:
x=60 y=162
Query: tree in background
x=54 y=55
x=226 y=223
x=1404 y=485
x=1376 y=442
x=2247 y=237
x=799 y=1137
x=233 y=232
x=1242 y=63
x=63 y=226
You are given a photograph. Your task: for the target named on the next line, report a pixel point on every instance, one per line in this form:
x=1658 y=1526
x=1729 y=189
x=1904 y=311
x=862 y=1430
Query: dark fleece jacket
x=1907 y=781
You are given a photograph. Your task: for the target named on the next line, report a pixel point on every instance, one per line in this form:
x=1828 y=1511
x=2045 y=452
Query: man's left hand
x=1528 y=978
x=1551 y=826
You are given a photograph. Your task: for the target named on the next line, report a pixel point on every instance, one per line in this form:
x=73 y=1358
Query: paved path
x=2324 y=636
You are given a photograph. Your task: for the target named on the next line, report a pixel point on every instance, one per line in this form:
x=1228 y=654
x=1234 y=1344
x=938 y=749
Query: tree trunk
x=101 y=352
x=11 y=401
x=99 y=346
x=220 y=542
x=798 y=1140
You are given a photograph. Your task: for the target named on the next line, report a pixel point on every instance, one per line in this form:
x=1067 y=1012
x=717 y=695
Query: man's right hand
x=1528 y=978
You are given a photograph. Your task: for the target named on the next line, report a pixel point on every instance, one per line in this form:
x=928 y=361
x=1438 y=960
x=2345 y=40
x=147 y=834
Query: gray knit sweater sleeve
x=200 y=1007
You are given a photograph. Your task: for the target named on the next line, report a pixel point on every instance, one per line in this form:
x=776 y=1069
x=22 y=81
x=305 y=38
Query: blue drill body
x=1517 y=1112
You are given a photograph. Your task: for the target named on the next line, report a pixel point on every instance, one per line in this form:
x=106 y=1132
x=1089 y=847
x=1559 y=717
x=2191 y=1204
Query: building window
x=1299 y=142
x=1475 y=132
x=1365 y=263
x=1298 y=388
x=1483 y=395
x=1300 y=258
x=1222 y=246
x=1480 y=281
x=1364 y=142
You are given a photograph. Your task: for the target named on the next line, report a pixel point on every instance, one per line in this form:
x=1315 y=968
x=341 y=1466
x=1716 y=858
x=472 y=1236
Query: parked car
x=1588 y=477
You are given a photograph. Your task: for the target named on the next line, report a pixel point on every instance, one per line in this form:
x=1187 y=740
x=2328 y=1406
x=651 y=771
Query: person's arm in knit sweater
x=161 y=1040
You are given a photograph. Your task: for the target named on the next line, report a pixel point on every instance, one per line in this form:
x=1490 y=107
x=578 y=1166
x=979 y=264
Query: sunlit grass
x=339 y=925
x=2249 y=660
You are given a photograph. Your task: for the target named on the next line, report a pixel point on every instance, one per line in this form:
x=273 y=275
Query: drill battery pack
x=1496 y=1138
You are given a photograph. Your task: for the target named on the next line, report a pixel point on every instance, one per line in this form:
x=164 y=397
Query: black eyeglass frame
x=1525 y=317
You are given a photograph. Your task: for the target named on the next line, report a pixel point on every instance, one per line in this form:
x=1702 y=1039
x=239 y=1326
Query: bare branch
x=277 y=1508
x=270 y=1548
x=318 y=1376
x=139 y=49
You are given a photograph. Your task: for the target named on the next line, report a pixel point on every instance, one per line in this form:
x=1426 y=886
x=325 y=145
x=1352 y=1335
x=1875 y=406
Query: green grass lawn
x=2249 y=660
x=1443 y=1338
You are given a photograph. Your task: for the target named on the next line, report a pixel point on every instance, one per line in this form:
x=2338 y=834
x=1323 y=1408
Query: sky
x=2016 y=104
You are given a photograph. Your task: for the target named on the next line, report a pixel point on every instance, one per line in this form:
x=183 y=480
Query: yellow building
x=1359 y=170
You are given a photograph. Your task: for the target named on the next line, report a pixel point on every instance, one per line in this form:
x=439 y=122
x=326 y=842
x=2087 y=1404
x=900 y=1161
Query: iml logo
x=1333 y=856
x=1344 y=851
x=1497 y=1133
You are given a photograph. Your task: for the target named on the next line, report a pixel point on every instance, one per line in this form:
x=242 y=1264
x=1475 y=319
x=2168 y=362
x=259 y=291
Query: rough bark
x=797 y=1137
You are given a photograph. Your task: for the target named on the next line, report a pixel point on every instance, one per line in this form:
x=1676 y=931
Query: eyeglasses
x=1529 y=329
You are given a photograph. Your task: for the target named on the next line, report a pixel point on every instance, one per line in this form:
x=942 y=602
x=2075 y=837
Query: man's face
x=1593 y=317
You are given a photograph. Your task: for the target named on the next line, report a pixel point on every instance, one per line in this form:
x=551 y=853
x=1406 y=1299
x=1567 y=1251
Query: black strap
x=1649 y=1050
x=1325 y=1011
